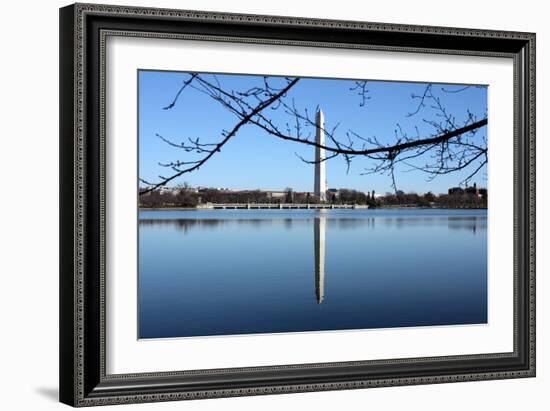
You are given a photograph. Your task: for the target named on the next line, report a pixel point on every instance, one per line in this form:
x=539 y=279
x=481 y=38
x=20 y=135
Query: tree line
x=185 y=197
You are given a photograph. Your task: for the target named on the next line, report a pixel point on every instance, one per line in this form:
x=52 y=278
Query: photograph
x=257 y=201
x=284 y=204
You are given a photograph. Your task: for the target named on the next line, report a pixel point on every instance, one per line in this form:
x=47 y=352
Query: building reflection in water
x=319 y=234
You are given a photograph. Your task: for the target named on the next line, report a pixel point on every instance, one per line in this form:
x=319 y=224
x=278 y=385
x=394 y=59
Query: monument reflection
x=319 y=235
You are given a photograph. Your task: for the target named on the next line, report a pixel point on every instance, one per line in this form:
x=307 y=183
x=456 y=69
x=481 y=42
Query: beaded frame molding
x=83 y=32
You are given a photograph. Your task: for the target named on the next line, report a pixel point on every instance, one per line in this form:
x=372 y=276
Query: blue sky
x=255 y=160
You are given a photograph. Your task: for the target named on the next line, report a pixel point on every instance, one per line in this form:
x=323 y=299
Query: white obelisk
x=320 y=183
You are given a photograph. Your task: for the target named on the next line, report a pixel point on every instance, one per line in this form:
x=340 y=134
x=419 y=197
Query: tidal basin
x=228 y=272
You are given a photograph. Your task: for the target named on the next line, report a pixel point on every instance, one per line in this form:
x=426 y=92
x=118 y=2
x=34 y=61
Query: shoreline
x=355 y=209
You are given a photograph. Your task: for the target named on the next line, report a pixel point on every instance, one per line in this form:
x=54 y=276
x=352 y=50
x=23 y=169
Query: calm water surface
x=219 y=272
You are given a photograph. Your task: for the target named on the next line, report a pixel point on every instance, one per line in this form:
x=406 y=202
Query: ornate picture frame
x=84 y=30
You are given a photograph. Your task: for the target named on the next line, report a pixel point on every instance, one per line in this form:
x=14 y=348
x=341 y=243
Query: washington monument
x=320 y=183
x=320 y=192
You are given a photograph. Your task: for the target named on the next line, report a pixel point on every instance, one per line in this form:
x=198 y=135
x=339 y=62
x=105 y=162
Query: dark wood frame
x=83 y=29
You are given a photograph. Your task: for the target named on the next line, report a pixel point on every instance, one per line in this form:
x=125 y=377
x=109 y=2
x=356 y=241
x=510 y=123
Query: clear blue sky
x=255 y=160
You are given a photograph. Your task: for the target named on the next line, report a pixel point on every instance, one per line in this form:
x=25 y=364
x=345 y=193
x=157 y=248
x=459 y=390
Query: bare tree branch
x=450 y=148
x=231 y=134
x=185 y=84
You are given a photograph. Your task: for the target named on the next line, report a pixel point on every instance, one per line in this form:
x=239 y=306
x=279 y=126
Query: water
x=222 y=272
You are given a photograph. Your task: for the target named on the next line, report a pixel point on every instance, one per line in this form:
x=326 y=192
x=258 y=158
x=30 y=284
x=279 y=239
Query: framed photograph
x=260 y=205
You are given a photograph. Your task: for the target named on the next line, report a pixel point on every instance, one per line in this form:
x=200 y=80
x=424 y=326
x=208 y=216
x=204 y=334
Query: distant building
x=456 y=191
x=275 y=194
x=478 y=192
x=168 y=190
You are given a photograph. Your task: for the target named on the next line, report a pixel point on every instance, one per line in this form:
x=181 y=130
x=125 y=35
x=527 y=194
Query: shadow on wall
x=50 y=393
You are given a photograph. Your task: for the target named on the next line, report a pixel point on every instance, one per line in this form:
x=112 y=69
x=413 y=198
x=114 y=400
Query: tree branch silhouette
x=216 y=147
x=451 y=146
